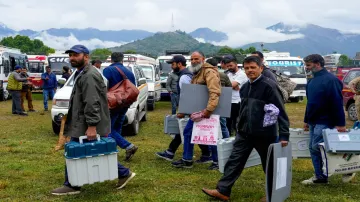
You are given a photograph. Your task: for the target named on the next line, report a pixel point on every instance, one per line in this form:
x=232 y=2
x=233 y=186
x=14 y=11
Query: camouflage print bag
x=285 y=84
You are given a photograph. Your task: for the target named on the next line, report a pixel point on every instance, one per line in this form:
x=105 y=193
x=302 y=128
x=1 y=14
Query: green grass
x=30 y=168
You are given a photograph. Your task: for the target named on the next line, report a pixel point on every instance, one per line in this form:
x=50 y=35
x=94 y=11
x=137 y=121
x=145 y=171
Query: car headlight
x=61 y=103
x=151 y=93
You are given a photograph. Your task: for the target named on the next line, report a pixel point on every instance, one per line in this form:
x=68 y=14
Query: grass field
x=30 y=168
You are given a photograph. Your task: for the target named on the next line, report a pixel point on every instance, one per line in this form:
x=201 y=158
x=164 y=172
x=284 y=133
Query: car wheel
x=135 y=125
x=352 y=114
x=151 y=106
x=56 y=128
x=295 y=99
x=2 y=95
x=144 y=118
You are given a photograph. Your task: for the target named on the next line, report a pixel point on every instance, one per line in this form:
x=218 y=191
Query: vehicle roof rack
x=177 y=52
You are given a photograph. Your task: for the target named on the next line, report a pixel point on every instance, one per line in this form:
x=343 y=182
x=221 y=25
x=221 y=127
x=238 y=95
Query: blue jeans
x=316 y=137
x=174 y=102
x=117 y=120
x=189 y=148
x=122 y=171
x=46 y=94
x=225 y=134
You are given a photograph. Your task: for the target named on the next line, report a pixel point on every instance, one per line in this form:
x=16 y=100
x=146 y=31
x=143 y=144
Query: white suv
x=135 y=114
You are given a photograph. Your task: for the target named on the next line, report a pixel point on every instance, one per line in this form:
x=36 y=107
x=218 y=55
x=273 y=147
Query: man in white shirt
x=237 y=78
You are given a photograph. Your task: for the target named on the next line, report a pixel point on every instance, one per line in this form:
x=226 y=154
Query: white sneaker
x=346 y=178
x=315 y=180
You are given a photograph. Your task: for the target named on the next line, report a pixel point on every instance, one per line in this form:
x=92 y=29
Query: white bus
x=37 y=64
x=293 y=67
x=57 y=61
x=9 y=58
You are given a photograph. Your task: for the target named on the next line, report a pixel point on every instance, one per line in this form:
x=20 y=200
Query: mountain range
x=314 y=39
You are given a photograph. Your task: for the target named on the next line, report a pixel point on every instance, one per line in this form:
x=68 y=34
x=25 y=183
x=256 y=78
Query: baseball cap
x=78 y=49
x=177 y=58
x=17 y=67
x=227 y=58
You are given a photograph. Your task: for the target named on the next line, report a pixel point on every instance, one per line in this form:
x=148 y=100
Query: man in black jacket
x=255 y=94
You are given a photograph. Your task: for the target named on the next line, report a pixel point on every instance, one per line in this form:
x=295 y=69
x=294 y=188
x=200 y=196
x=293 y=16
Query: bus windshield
x=36 y=67
x=291 y=68
x=57 y=64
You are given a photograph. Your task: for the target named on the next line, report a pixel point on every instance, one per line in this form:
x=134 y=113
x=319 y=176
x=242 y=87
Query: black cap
x=227 y=59
x=177 y=59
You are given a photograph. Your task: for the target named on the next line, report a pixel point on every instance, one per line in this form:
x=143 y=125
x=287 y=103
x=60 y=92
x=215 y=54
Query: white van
x=152 y=75
x=136 y=112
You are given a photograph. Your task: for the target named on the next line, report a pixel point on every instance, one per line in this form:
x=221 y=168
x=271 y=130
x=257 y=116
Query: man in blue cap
x=14 y=87
x=88 y=112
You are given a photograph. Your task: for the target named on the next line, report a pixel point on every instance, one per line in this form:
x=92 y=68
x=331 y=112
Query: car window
x=351 y=75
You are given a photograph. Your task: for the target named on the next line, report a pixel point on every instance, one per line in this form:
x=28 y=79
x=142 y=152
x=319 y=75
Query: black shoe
x=130 y=153
x=32 y=110
x=182 y=164
x=214 y=166
x=22 y=114
x=45 y=110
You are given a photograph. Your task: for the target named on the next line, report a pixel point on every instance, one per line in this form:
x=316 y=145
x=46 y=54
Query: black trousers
x=232 y=121
x=243 y=146
x=176 y=142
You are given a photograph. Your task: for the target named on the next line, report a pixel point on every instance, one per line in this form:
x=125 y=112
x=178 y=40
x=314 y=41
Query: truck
x=293 y=67
x=165 y=69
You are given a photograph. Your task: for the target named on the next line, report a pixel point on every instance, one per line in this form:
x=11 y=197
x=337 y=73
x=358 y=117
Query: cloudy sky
x=243 y=20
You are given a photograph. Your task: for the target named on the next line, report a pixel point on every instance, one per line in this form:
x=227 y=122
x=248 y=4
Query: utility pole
x=172 y=23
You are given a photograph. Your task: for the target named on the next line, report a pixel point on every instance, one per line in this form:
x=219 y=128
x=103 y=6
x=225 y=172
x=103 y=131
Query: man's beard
x=80 y=63
x=195 y=68
x=176 y=70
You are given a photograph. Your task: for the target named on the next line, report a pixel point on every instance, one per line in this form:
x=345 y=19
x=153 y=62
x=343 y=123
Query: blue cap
x=78 y=49
x=17 y=67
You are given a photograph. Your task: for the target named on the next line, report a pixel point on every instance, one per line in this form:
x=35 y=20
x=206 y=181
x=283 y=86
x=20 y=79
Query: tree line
x=26 y=45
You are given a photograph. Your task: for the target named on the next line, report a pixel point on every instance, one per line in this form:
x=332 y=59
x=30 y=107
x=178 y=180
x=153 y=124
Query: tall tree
x=344 y=60
x=100 y=53
x=26 y=45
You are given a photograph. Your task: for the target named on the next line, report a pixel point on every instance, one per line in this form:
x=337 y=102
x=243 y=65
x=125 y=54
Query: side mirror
x=62 y=81
x=142 y=81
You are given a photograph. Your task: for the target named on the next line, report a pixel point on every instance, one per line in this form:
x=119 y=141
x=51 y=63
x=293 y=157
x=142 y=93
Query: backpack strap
x=121 y=72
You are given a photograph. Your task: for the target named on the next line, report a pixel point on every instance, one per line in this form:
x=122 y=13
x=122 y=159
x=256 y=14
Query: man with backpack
x=114 y=77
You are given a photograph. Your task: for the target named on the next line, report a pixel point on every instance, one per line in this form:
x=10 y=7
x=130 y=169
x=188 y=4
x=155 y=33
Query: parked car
x=4 y=93
x=152 y=75
x=135 y=114
x=348 y=95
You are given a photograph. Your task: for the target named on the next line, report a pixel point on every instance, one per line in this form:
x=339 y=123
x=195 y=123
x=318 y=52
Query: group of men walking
x=253 y=88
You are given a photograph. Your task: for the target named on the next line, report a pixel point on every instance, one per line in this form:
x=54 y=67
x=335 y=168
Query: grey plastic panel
x=194 y=98
x=278 y=173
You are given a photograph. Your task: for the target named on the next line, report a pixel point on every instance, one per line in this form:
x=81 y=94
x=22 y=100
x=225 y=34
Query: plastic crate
x=342 y=142
x=224 y=149
x=90 y=162
x=299 y=140
x=171 y=125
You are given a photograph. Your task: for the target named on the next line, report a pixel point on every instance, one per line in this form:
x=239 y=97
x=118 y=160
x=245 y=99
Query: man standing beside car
x=88 y=112
x=113 y=76
x=324 y=110
x=49 y=86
